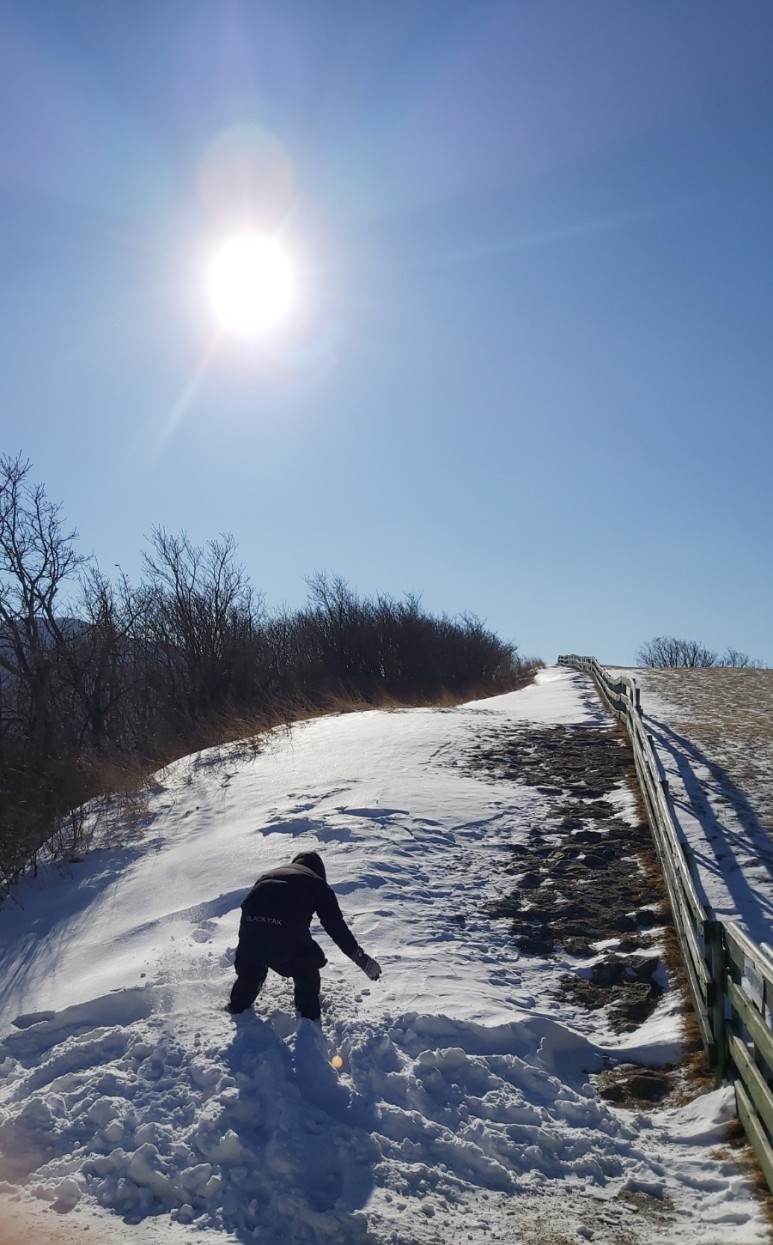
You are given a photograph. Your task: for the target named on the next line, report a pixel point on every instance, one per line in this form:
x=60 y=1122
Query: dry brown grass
x=122 y=783
x=745 y=695
x=697 y=1074
x=728 y=715
x=736 y=1148
x=233 y=728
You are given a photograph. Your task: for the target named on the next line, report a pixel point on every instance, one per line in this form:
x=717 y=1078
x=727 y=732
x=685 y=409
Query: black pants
x=249 y=981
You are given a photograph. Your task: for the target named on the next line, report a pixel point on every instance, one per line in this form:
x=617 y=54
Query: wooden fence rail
x=729 y=975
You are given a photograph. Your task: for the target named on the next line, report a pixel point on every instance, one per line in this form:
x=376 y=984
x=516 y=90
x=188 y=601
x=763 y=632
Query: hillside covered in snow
x=467 y=1105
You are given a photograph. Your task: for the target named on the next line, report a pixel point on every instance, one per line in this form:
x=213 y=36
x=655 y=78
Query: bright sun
x=251 y=284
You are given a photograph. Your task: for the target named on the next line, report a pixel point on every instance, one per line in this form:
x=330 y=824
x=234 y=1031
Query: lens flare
x=245 y=174
x=251 y=284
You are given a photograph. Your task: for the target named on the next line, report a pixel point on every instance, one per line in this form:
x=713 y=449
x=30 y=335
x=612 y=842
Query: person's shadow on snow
x=306 y=1151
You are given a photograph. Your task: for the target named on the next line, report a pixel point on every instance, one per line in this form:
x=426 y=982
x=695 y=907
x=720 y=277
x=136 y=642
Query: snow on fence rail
x=730 y=976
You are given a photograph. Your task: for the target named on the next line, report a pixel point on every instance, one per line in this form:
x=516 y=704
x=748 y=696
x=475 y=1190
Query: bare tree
x=99 y=663
x=665 y=651
x=737 y=660
x=37 y=557
x=199 y=618
x=340 y=626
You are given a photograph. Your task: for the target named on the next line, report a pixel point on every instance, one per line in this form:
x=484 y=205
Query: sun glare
x=251 y=284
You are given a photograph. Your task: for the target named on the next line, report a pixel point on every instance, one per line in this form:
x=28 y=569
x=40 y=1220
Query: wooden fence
x=730 y=976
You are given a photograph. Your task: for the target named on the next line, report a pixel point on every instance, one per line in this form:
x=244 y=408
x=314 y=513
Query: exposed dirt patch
x=628 y=1085
x=587 y=883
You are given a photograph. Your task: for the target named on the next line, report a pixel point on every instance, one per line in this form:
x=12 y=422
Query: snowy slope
x=719 y=726
x=464 y=1104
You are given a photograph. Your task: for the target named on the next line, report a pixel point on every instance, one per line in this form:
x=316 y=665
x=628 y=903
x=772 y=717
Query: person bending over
x=274 y=933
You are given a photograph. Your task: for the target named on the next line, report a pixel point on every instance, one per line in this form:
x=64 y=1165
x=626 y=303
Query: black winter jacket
x=277 y=914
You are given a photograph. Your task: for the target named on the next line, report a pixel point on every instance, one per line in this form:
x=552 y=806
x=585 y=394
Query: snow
x=465 y=1104
x=720 y=819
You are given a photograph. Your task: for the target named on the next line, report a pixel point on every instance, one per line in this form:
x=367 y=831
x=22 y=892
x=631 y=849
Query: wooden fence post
x=715 y=946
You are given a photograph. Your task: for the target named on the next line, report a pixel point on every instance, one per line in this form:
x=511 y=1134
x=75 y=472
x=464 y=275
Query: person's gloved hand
x=369 y=966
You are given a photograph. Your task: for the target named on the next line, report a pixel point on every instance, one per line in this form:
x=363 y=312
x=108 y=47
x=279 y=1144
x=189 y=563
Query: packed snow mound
x=257 y=1135
x=465 y=1099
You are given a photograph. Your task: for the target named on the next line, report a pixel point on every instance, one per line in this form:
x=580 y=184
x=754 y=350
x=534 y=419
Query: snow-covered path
x=464 y=1105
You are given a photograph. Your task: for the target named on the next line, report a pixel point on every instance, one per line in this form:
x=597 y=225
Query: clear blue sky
x=533 y=338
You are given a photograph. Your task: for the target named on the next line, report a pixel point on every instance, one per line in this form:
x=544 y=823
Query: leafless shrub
x=125 y=679
x=736 y=660
x=668 y=652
